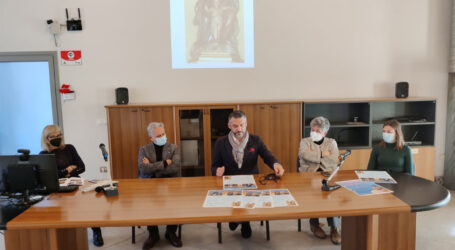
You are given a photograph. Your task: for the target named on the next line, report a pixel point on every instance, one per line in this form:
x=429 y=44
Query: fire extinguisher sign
x=71 y=57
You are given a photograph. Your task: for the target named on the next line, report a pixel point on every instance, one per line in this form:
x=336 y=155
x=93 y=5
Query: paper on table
x=375 y=176
x=250 y=198
x=239 y=182
x=223 y=198
x=265 y=200
x=283 y=198
x=364 y=187
x=73 y=181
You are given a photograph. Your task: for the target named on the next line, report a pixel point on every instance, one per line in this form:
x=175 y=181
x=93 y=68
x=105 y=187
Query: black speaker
x=401 y=89
x=121 y=95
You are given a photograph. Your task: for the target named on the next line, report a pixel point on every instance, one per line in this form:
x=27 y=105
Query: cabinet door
x=157 y=114
x=357 y=160
x=190 y=139
x=258 y=123
x=424 y=161
x=124 y=141
x=284 y=134
x=278 y=125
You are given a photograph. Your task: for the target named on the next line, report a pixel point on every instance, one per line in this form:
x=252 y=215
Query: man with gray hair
x=159 y=159
x=237 y=154
x=319 y=153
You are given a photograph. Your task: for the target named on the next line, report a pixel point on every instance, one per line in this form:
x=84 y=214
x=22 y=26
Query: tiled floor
x=435 y=230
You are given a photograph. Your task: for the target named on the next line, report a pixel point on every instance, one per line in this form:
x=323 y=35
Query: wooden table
x=52 y=223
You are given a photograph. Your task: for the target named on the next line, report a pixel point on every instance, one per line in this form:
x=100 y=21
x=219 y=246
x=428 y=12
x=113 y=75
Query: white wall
x=304 y=49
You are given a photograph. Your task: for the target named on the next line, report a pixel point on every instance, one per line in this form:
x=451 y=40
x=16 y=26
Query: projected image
x=212 y=33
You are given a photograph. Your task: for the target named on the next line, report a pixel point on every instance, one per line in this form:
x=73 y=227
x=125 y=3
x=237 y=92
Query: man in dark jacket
x=237 y=154
x=157 y=160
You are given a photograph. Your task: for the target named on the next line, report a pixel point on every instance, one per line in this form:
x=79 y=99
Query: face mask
x=315 y=136
x=56 y=142
x=388 y=137
x=161 y=140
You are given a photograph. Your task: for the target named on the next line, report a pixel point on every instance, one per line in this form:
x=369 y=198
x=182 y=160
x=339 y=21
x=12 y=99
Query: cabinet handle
x=273 y=106
x=146 y=110
x=134 y=110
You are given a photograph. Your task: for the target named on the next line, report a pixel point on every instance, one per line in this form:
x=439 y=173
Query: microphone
x=103 y=151
x=342 y=157
x=325 y=183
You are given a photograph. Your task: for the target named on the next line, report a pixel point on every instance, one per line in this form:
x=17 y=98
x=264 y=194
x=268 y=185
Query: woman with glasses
x=69 y=164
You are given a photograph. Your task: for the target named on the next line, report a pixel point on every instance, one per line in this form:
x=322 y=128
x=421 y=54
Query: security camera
x=54 y=26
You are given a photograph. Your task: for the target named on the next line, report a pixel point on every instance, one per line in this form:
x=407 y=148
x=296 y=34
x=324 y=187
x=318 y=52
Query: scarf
x=238 y=147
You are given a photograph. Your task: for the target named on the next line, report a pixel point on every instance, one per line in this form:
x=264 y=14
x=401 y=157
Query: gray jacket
x=310 y=155
x=157 y=169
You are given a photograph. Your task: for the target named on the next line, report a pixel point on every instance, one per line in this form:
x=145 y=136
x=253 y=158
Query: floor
x=435 y=230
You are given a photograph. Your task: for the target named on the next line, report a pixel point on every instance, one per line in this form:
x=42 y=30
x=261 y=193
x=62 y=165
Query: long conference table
x=386 y=221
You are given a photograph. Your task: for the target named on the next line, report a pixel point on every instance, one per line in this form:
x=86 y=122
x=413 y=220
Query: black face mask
x=56 y=142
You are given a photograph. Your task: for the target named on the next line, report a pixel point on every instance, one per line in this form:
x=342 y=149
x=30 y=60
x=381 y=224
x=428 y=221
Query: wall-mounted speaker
x=401 y=89
x=121 y=95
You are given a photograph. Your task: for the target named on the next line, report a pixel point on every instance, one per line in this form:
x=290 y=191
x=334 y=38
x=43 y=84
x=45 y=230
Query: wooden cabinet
x=355 y=124
x=278 y=124
x=128 y=131
x=424 y=161
x=198 y=129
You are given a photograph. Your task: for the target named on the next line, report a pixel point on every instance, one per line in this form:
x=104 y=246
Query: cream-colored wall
x=303 y=49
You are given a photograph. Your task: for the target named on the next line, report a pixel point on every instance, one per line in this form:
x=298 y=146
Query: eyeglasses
x=54 y=137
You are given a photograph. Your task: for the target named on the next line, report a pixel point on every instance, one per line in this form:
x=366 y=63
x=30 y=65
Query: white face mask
x=315 y=136
x=388 y=137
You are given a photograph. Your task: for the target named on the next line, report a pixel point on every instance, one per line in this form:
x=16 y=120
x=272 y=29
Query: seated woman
x=391 y=154
x=69 y=163
x=159 y=159
x=319 y=153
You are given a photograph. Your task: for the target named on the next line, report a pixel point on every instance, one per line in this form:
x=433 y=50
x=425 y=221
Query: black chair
x=267 y=231
x=133 y=233
x=299 y=222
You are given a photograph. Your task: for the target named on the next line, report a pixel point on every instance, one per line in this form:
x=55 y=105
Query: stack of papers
x=364 y=187
x=375 y=176
x=239 y=182
x=73 y=181
x=250 y=198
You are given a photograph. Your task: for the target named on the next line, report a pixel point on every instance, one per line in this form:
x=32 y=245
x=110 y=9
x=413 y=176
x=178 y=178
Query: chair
x=267 y=231
x=133 y=233
x=299 y=222
x=133 y=228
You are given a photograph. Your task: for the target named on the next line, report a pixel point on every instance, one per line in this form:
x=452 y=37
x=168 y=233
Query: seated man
x=319 y=153
x=159 y=159
x=237 y=154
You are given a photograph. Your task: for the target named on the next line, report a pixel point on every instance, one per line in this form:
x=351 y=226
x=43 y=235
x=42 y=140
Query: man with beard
x=237 y=154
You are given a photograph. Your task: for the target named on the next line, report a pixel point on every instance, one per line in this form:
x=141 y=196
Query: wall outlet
x=103 y=169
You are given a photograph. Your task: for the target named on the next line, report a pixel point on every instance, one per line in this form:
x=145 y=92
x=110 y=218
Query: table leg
x=379 y=232
x=47 y=239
